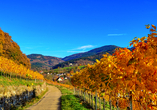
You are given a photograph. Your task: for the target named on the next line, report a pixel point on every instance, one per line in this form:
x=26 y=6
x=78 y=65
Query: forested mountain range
x=38 y=61
x=87 y=57
x=95 y=51
x=91 y=58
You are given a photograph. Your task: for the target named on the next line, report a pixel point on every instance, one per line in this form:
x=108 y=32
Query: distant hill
x=40 y=62
x=87 y=57
x=91 y=52
x=11 y=50
x=98 y=54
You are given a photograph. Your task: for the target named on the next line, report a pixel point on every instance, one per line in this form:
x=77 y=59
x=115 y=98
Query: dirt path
x=50 y=101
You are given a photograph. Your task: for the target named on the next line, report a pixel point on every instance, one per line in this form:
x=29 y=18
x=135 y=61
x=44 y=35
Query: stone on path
x=50 y=101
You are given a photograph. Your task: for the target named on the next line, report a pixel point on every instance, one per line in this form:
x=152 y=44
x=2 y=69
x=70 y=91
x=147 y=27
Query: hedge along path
x=50 y=101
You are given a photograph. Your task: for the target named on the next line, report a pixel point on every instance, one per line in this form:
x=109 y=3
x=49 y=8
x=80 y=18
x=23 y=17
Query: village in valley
x=61 y=75
x=58 y=77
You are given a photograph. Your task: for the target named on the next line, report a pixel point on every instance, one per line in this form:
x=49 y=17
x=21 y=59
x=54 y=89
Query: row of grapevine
x=8 y=66
x=125 y=74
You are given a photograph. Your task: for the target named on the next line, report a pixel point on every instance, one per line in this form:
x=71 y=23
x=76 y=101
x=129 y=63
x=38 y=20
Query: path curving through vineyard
x=50 y=101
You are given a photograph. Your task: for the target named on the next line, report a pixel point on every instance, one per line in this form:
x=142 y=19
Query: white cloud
x=115 y=34
x=85 y=47
x=76 y=51
x=81 y=49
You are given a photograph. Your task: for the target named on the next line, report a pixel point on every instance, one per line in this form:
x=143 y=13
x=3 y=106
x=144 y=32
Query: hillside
x=39 y=62
x=87 y=57
x=91 y=52
x=11 y=50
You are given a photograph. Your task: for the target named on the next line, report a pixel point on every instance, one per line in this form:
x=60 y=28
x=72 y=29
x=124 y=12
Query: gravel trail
x=50 y=101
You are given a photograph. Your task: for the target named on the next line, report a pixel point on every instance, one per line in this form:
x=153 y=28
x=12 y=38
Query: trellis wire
x=94 y=100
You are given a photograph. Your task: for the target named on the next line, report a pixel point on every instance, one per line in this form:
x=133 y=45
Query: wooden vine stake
x=96 y=100
x=117 y=105
x=92 y=102
x=99 y=103
x=104 y=103
x=110 y=102
x=84 y=96
x=130 y=100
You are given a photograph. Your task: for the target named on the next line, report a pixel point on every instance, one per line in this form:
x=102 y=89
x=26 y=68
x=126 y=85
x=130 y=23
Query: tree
x=10 y=49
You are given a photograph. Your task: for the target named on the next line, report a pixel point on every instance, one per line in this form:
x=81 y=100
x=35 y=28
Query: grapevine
x=125 y=74
x=9 y=66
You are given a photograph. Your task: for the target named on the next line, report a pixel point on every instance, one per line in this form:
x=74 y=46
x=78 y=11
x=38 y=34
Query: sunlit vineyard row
x=126 y=76
x=8 y=66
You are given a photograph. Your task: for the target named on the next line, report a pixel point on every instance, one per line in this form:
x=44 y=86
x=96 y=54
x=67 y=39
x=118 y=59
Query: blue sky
x=64 y=27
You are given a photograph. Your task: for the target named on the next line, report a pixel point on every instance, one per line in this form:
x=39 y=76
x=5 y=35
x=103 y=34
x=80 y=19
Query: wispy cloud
x=81 y=49
x=85 y=47
x=115 y=34
x=76 y=51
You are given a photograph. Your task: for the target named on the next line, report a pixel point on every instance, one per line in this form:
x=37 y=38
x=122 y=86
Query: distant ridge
x=40 y=62
x=87 y=57
x=91 y=52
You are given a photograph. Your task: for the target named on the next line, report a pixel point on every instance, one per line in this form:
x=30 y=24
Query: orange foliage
x=9 y=66
x=10 y=50
x=124 y=71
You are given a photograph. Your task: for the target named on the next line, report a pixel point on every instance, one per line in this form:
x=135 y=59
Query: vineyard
x=11 y=69
x=127 y=79
x=125 y=76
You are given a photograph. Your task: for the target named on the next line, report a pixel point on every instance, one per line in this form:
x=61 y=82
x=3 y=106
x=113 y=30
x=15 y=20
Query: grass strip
x=64 y=90
x=5 y=81
x=70 y=101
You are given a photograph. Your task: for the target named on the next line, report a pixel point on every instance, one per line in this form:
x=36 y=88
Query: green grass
x=70 y=101
x=65 y=91
x=71 y=67
x=6 y=81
